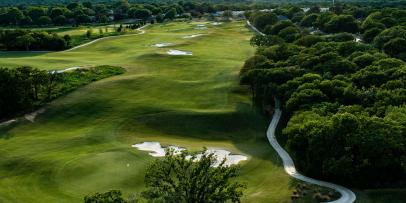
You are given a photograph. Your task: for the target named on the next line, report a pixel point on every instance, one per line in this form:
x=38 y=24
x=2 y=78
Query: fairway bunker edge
x=175 y=52
x=192 y=36
x=156 y=150
x=216 y=23
x=66 y=69
x=163 y=44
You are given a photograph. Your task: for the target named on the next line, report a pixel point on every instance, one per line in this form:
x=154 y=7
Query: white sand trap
x=216 y=23
x=6 y=123
x=179 y=52
x=156 y=150
x=65 y=70
x=164 y=44
x=192 y=36
x=31 y=116
x=222 y=154
x=68 y=69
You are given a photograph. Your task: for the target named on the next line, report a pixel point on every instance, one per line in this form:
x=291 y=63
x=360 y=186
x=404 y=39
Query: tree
x=256 y=61
x=121 y=10
x=73 y=6
x=57 y=12
x=395 y=47
x=59 y=20
x=309 y=40
x=275 y=29
x=170 y=14
x=184 y=178
x=89 y=33
x=369 y=35
x=262 y=19
x=342 y=23
x=143 y=14
x=309 y=20
x=44 y=20
x=14 y=15
x=389 y=34
x=112 y=196
x=36 y=12
x=267 y=40
x=323 y=19
x=290 y=34
x=68 y=39
x=82 y=19
x=25 y=41
x=88 y=4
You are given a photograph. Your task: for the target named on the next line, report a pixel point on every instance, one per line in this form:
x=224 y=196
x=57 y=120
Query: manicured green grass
x=82 y=143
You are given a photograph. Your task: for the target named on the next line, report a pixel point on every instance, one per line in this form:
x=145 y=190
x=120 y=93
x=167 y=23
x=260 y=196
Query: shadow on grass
x=78 y=112
x=5 y=130
x=21 y=54
x=243 y=126
x=22 y=166
x=211 y=125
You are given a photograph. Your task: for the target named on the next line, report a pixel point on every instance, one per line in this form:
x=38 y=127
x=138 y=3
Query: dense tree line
x=17 y=40
x=385 y=29
x=345 y=99
x=24 y=89
x=92 y=12
x=86 y=12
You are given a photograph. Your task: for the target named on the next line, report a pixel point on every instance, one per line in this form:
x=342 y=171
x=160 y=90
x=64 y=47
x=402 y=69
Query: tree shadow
x=5 y=130
x=243 y=126
x=21 y=54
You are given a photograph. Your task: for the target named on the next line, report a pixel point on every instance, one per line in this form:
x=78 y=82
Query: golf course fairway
x=82 y=143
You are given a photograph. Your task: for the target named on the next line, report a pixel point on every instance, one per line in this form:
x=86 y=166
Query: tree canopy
x=339 y=94
x=192 y=178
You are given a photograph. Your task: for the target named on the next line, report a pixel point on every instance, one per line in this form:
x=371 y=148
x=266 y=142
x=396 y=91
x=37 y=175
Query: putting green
x=82 y=143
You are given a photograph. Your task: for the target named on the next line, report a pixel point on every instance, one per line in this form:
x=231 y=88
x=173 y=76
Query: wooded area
x=343 y=92
x=23 y=89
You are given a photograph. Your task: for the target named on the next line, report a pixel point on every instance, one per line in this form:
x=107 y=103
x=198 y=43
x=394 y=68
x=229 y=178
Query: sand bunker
x=179 y=52
x=222 y=154
x=164 y=44
x=156 y=150
x=200 y=27
x=6 y=123
x=216 y=23
x=192 y=36
x=31 y=116
x=65 y=70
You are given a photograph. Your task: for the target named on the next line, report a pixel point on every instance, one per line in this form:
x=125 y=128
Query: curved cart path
x=103 y=38
x=31 y=116
x=347 y=196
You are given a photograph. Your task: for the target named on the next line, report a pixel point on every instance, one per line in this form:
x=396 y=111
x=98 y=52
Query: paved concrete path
x=347 y=196
x=103 y=38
